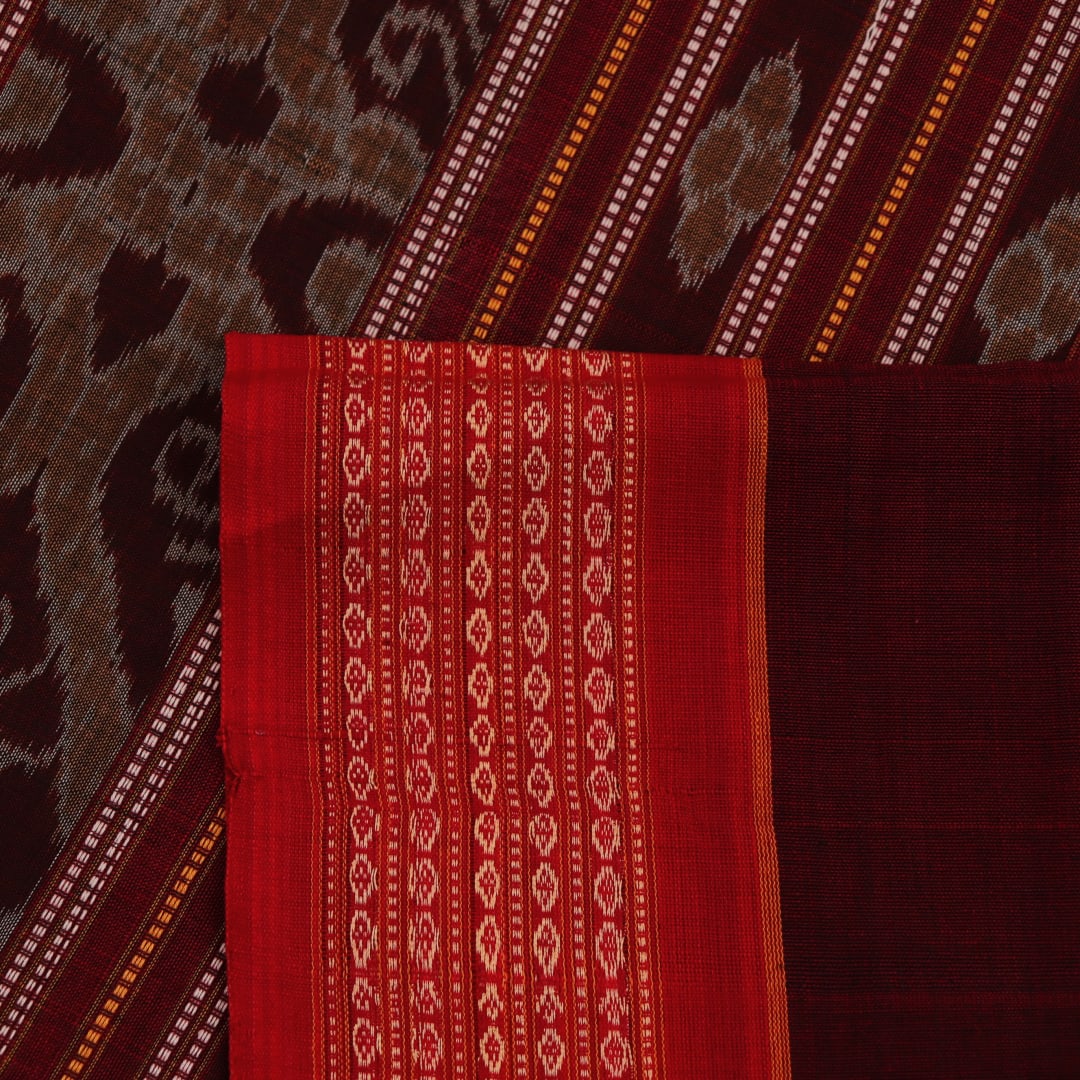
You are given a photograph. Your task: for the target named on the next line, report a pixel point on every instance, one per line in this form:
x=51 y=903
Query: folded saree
x=618 y=715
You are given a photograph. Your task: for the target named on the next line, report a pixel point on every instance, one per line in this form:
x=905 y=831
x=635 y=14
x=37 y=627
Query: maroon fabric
x=923 y=619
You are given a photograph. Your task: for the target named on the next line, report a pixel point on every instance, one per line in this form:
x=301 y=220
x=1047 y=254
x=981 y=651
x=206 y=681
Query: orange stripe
x=902 y=180
x=98 y=1030
x=588 y=115
x=758 y=677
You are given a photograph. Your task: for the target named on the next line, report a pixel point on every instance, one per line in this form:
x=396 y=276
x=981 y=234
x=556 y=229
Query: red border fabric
x=510 y=600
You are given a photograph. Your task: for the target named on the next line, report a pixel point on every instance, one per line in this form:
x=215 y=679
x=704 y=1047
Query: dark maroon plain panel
x=922 y=569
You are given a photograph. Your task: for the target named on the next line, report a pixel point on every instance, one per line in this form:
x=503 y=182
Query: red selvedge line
x=568 y=589
x=327 y=468
x=515 y=854
x=629 y=563
x=451 y=612
x=391 y=855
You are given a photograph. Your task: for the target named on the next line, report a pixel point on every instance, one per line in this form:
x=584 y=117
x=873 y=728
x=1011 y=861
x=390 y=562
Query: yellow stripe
x=170 y=907
x=901 y=182
x=514 y=261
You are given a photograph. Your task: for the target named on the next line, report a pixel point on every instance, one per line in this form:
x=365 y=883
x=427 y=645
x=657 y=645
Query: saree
x=609 y=714
x=878 y=181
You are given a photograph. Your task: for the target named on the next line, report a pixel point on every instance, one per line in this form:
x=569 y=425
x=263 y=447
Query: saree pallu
x=602 y=714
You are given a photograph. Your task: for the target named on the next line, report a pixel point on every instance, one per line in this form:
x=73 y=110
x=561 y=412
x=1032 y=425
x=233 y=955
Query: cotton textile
x=884 y=181
x=573 y=731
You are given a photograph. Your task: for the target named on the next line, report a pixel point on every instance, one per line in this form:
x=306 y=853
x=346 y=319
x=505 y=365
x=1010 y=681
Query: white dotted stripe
x=760 y=289
x=978 y=202
x=466 y=169
x=643 y=175
x=112 y=831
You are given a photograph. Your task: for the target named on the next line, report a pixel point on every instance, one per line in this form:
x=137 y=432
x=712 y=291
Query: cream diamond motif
x=415 y=416
x=420 y=781
x=361 y=778
x=415 y=465
x=415 y=573
x=356 y=571
x=479 y=518
x=597 y=579
x=606 y=837
x=492 y=1049
x=608 y=891
x=537 y=418
x=478 y=630
x=356 y=461
x=484 y=784
x=356 y=514
x=415 y=628
x=480 y=685
x=599 y=689
x=602 y=788
x=615 y=1053
x=478 y=575
x=423 y=940
x=415 y=517
x=600 y=737
x=427 y=1047
x=540 y=736
x=365 y=1041
x=535 y=578
x=416 y=683
x=535 y=519
x=597 y=472
x=598 y=423
x=424 y=826
x=487 y=883
x=488 y=940
x=479 y=417
x=423 y=882
x=545 y=886
x=486 y=829
x=478 y=464
x=363 y=937
x=535 y=632
x=540 y=785
x=546 y=946
x=482 y=734
x=355 y=625
x=537 y=469
x=489 y=1002
x=357 y=679
x=537 y=687
x=610 y=949
x=548 y=1006
x=597 y=525
x=357 y=412
x=598 y=636
x=552 y=1051
x=543 y=832
x=363 y=821
x=362 y=878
